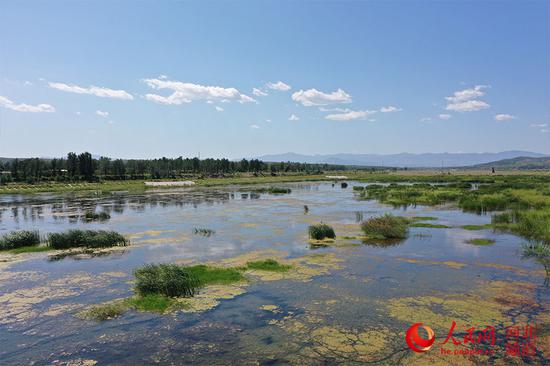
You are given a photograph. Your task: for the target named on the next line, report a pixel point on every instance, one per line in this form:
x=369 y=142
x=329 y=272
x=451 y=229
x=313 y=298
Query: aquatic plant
x=536 y=250
x=155 y=303
x=321 y=231
x=86 y=238
x=104 y=311
x=203 y=231
x=18 y=239
x=481 y=241
x=94 y=216
x=268 y=265
x=165 y=279
x=207 y=275
x=475 y=227
x=386 y=227
x=430 y=225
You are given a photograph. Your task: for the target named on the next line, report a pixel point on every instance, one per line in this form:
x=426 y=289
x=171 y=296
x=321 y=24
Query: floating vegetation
x=386 y=227
x=86 y=238
x=19 y=239
x=272 y=190
x=423 y=218
x=476 y=227
x=94 y=216
x=268 y=265
x=321 y=231
x=203 y=231
x=430 y=225
x=481 y=241
x=107 y=311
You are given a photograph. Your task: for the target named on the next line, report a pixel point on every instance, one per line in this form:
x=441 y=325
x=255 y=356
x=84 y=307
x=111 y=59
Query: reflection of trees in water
x=382 y=243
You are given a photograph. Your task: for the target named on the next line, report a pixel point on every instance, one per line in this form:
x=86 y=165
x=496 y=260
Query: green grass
x=476 y=227
x=86 y=238
x=19 y=239
x=169 y=280
x=154 y=303
x=321 y=231
x=481 y=241
x=104 y=311
x=208 y=275
x=386 y=227
x=536 y=250
x=33 y=249
x=430 y=225
x=423 y=218
x=94 y=216
x=268 y=265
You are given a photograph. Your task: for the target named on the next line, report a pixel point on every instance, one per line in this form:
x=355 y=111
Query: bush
x=386 y=227
x=86 y=238
x=165 y=279
x=18 y=239
x=321 y=231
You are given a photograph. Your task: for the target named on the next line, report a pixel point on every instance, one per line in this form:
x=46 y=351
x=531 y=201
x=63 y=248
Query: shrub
x=386 y=227
x=86 y=238
x=18 y=239
x=321 y=231
x=165 y=279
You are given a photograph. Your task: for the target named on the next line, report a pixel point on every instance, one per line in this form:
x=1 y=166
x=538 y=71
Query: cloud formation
x=92 y=90
x=219 y=109
x=314 y=97
x=279 y=85
x=254 y=126
x=348 y=115
x=293 y=117
x=504 y=117
x=188 y=92
x=258 y=92
x=467 y=106
x=102 y=113
x=40 y=108
x=390 y=109
x=444 y=116
x=464 y=100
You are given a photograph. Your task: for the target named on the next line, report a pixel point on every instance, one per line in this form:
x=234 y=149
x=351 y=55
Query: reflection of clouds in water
x=458 y=237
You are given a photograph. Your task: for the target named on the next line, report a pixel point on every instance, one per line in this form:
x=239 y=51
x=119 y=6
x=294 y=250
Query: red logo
x=416 y=342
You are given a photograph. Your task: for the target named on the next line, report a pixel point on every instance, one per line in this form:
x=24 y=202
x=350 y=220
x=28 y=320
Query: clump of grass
x=104 y=311
x=476 y=227
x=155 y=303
x=208 y=275
x=481 y=241
x=94 y=216
x=321 y=231
x=169 y=280
x=19 y=239
x=386 y=227
x=86 y=238
x=536 y=250
x=430 y=225
x=272 y=190
x=268 y=265
x=203 y=231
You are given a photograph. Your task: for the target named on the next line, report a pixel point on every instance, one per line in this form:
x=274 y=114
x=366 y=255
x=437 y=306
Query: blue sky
x=169 y=78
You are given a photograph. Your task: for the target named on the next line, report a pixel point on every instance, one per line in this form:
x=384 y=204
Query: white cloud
x=93 y=90
x=314 y=97
x=390 y=109
x=504 y=117
x=258 y=92
x=467 y=94
x=467 y=106
x=254 y=126
x=279 y=85
x=425 y=119
x=349 y=115
x=293 y=117
x=188 y=92
x=268 y=120
x=444 y=116
x=6 y=103
x=544 y=130
x=540 y=125
x=102 y=113
x=219 y=109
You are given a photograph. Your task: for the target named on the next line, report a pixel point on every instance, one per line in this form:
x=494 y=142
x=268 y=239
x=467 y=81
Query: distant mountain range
x=520 y=163
x=427 y=160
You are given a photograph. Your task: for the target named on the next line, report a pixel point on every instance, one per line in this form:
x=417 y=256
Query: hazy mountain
x=520 y=163
x=427 y=160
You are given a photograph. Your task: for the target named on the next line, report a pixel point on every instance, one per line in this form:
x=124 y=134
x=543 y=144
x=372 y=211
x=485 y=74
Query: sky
x=144 y=79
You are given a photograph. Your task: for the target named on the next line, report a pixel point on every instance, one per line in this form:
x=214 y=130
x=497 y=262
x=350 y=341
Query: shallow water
x=357 y=311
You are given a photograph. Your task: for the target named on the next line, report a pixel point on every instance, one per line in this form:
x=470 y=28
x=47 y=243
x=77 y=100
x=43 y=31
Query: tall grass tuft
x=165 y=279
x=93 y=216
x=19 y=239
x=321 y=231
x=86 y=238
x=386 y=227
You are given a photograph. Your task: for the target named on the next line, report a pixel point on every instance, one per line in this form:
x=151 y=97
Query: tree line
x=84 y=167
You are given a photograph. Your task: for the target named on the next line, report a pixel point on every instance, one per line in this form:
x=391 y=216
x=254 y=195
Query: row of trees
x=83 y=167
